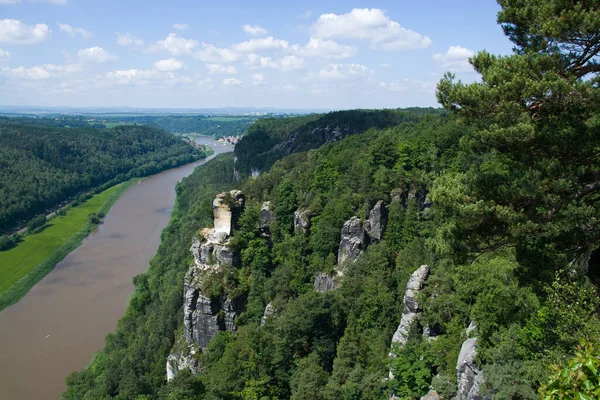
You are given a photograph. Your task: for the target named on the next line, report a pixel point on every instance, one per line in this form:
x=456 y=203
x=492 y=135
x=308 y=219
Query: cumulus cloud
x=212 y=54
x=128 y=40
x=327 y=49
x=231 y=81
x=4 y=54
x=75 y=32
x=41 y=72
x=175 y=45
x=455 y=59
x=344 y=72
x=218 y=69
x=181 y=27
x=13 y=31
x=412 y=85
x=95 y=54
x=10 y=1
x=255 y=30
x=287 y=63
x=131 y=76
x=257 y=79
x=169 y=65
x=261 y=44
x=290 y=88
x=370 y=25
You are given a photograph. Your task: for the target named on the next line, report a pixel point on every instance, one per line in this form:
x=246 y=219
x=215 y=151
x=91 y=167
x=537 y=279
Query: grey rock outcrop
x=353 y=240
x=375 y=225
x=411 y=312
x=301 y=221
x=324 y=282
x=269 y=311
x=468 y=375
x=431 y=395
x=204 y=316
x=266 y=217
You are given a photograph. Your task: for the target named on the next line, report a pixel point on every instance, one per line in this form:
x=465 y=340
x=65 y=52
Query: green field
x=24 y=265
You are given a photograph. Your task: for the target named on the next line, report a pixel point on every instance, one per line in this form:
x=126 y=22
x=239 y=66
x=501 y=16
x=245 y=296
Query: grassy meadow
x=24 y=265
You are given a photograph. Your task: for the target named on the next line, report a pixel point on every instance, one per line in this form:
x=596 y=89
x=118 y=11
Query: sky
x=205 y=54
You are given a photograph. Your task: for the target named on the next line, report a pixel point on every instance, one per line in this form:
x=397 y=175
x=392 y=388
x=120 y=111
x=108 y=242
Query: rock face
x=468 y=376
x=269 y=311
x=324 y=282
x=431 y=395
x=301 y=221
x=266 y=218
x=203 y=316
x=353 y=240
x=411 y=312
x=375 y=225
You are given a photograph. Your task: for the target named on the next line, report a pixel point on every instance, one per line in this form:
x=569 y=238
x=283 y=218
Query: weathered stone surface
x=431 y=395
x=411 y=312
x=353 y=240
x=266 y=217
x=203 y=317
x=468 y=376
x=301 y=221
x=375 y=225
x=324 y=282
x=269 y=311
x=227 y=207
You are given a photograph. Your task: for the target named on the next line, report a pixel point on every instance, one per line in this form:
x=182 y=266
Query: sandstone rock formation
x=269 y=311
x=469 y=376
x=353 y=240
x=431 y=395
x=375 y=225
x=301 y=221
x=324 y=282
x=266 y=217
x=411 y=312
x=204 y=316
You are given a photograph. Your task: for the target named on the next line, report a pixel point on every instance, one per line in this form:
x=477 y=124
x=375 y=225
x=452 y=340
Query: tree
x=532 y=176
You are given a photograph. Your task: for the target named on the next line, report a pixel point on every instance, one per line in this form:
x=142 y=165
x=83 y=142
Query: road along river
x=59 y=325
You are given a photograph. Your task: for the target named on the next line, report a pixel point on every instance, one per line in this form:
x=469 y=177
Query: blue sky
x=305 y=54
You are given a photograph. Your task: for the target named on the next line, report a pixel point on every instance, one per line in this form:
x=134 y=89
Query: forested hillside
x=480 y=282
x=42 y=166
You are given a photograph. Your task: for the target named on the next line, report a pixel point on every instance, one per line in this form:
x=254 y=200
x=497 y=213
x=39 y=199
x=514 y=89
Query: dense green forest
x=42 y=166
x=511 y=237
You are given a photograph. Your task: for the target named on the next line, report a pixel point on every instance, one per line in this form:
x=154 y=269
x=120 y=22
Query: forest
x=43 y=166
x=510 y=175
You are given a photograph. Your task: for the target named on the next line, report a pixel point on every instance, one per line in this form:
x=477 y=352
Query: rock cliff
x=204 y=316
x=352 y=242
x=469 y=376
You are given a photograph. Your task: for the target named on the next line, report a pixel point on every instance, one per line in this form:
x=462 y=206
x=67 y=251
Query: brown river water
x=59 y=325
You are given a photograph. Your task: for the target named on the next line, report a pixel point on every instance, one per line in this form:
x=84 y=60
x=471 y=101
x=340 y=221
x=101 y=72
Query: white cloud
x=95 y=55
x=41 y=72
x=59 y=2
x=344 y=71
x=386 y=65
x=131 y=76
x=327 y=49
x=287 y=63
x=127 y=40
x=218 y=69
x=4 y=54
x=290 y=88
x=206 y=83
x=173 y=79
x=181 y=27
x=231 y=81
x=261 y=44
x=456 y=59
x=212 y=54
x=257 y=79
x=255 y=30
x=371 y=25
x=175 y=45
x=10 y=1
x=169 y=65
x=82 y=33
x=412 y=85
x=15 y=32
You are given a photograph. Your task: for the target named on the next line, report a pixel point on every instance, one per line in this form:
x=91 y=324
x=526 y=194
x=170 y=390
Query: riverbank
x=32 y=259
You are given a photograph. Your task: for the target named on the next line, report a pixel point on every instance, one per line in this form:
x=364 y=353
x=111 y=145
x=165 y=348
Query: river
x=59 y=325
